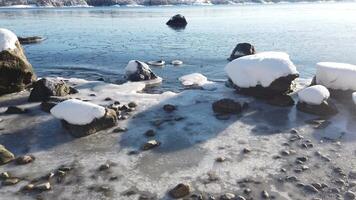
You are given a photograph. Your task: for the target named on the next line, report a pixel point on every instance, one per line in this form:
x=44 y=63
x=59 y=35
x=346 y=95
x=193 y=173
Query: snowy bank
x=77 y=112
x=314 y=95
x=260 y=69
x=7 y=40
x=338 y=76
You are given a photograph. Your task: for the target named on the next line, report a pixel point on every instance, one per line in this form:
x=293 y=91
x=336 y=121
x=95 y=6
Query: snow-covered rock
x=260 y=69
x=194 y=79
x=7 y=40
x=139 y=71
x=314 y=95
x=77 y=112
x=338 y=76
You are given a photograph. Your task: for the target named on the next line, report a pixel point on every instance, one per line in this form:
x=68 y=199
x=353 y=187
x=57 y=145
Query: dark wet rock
x=279 y=87
x=119 y=130
x=246 y=150
x=43 y=187
x=180 y=191
x=285 y=153
x=23 y=160
x=44 y=88
x=150 y=145
x=220 y=159
x=169 y=108
x=30 y=40
x=281 y=101
x=107 y=121
x=142 y=73
x=324 y=109
x=108 y=99
x=226 y=106
x=4 y=175
x=10 y=181
x=15 y=110
x=227 y=196
x=132 y=105
x=264 y=194
x=5 y=155
x=302 y=159
x=150 y=133
x=247 y=191
x=291 y=178
x=104 y=167
x=51 y=102
x=16 y=72
x=242 y=49
x=311 y=189
x=177 y=21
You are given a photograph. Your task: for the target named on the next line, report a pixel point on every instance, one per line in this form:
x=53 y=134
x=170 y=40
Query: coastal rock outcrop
x=5 y=155
x=139 y=71
x=44 y=88
x=263 y=75
x=177 y=22
x=30 y=40
x=16 y=72
x=83 y=118
x=242 y=49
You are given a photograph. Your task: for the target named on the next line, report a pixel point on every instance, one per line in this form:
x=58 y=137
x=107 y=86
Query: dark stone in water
x=242 y=49
x=281 y=100
x=142 y=73
x=30 y=40
x=109 y=120
x=177 y=22
x=325 y=109
x=180 y=191
x=15 y=110
x=44 y=88
x=227 y=106
x=169 y=108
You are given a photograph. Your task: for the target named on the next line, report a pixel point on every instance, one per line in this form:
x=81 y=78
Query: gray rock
x=30 y=40
x=23 y=160
x=15 y=110
x=181 y=190
x=327 y=108
x=226 y=106
x=242 y=49
x=177 y=22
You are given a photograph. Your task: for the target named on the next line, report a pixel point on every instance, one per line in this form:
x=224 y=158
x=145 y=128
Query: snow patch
x=314 y=95
x=194 y=79
x=77 y=112
x=334 y=75
x=8 y=40
x=260 y=69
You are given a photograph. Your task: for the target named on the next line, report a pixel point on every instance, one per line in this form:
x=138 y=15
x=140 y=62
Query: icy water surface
x=98 y=42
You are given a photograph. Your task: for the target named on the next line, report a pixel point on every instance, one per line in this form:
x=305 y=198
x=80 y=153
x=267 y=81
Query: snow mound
x=314 y=95
x=354 y=97
x=7 y=40
x=194 y=79
x=131 y=67
x=260 y=69
x=77 y=112
x=340 y=76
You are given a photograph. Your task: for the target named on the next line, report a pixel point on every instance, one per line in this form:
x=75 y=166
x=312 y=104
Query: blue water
x=98 y=42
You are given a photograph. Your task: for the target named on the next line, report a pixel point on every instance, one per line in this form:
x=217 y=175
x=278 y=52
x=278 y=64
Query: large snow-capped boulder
x=314 y=100
x=139 y=71
x=83 y=118
x=177 y=22
x=16 y=72
x=264 y=75
x=242 y=49
x=44 y=88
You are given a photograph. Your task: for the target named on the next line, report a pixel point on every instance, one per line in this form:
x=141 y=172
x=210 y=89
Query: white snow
x=339 y=76
x=132 y=67
x=7 y=40
x=260 y=69
x=194 y=79
x=314 y=95
x=77 y=112
x=354 y=97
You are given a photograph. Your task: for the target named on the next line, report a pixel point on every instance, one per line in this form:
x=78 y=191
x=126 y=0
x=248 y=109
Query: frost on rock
x=194 y=79
x=314 y=95
x=7 y=40
x=77 y=112
x=338 y=76
x=260 y=69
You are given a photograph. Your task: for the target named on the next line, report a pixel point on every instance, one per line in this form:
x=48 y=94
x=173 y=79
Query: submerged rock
x=226 y=106
x=23 y=160
x=15 y=110
x=326 y=108
x=242 y=49
x=150 y=145
x=44 y=88
x=107 y=121
x=16 y=72
x=180 y=191
x=281 y=100
x=30 y=40
x=5 y=155
x=177 y=22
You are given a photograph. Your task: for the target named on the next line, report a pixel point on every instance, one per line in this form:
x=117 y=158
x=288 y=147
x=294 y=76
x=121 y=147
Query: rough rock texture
x=109 y=120
x=142 y=74
x=16 y=72
x=181 y=190
x=325 y=109
x=5 y=155
x=280 y=86
x=242 y=49
x=30 y=40
x=44 y=88
x=227 y=106
x=177 y=21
